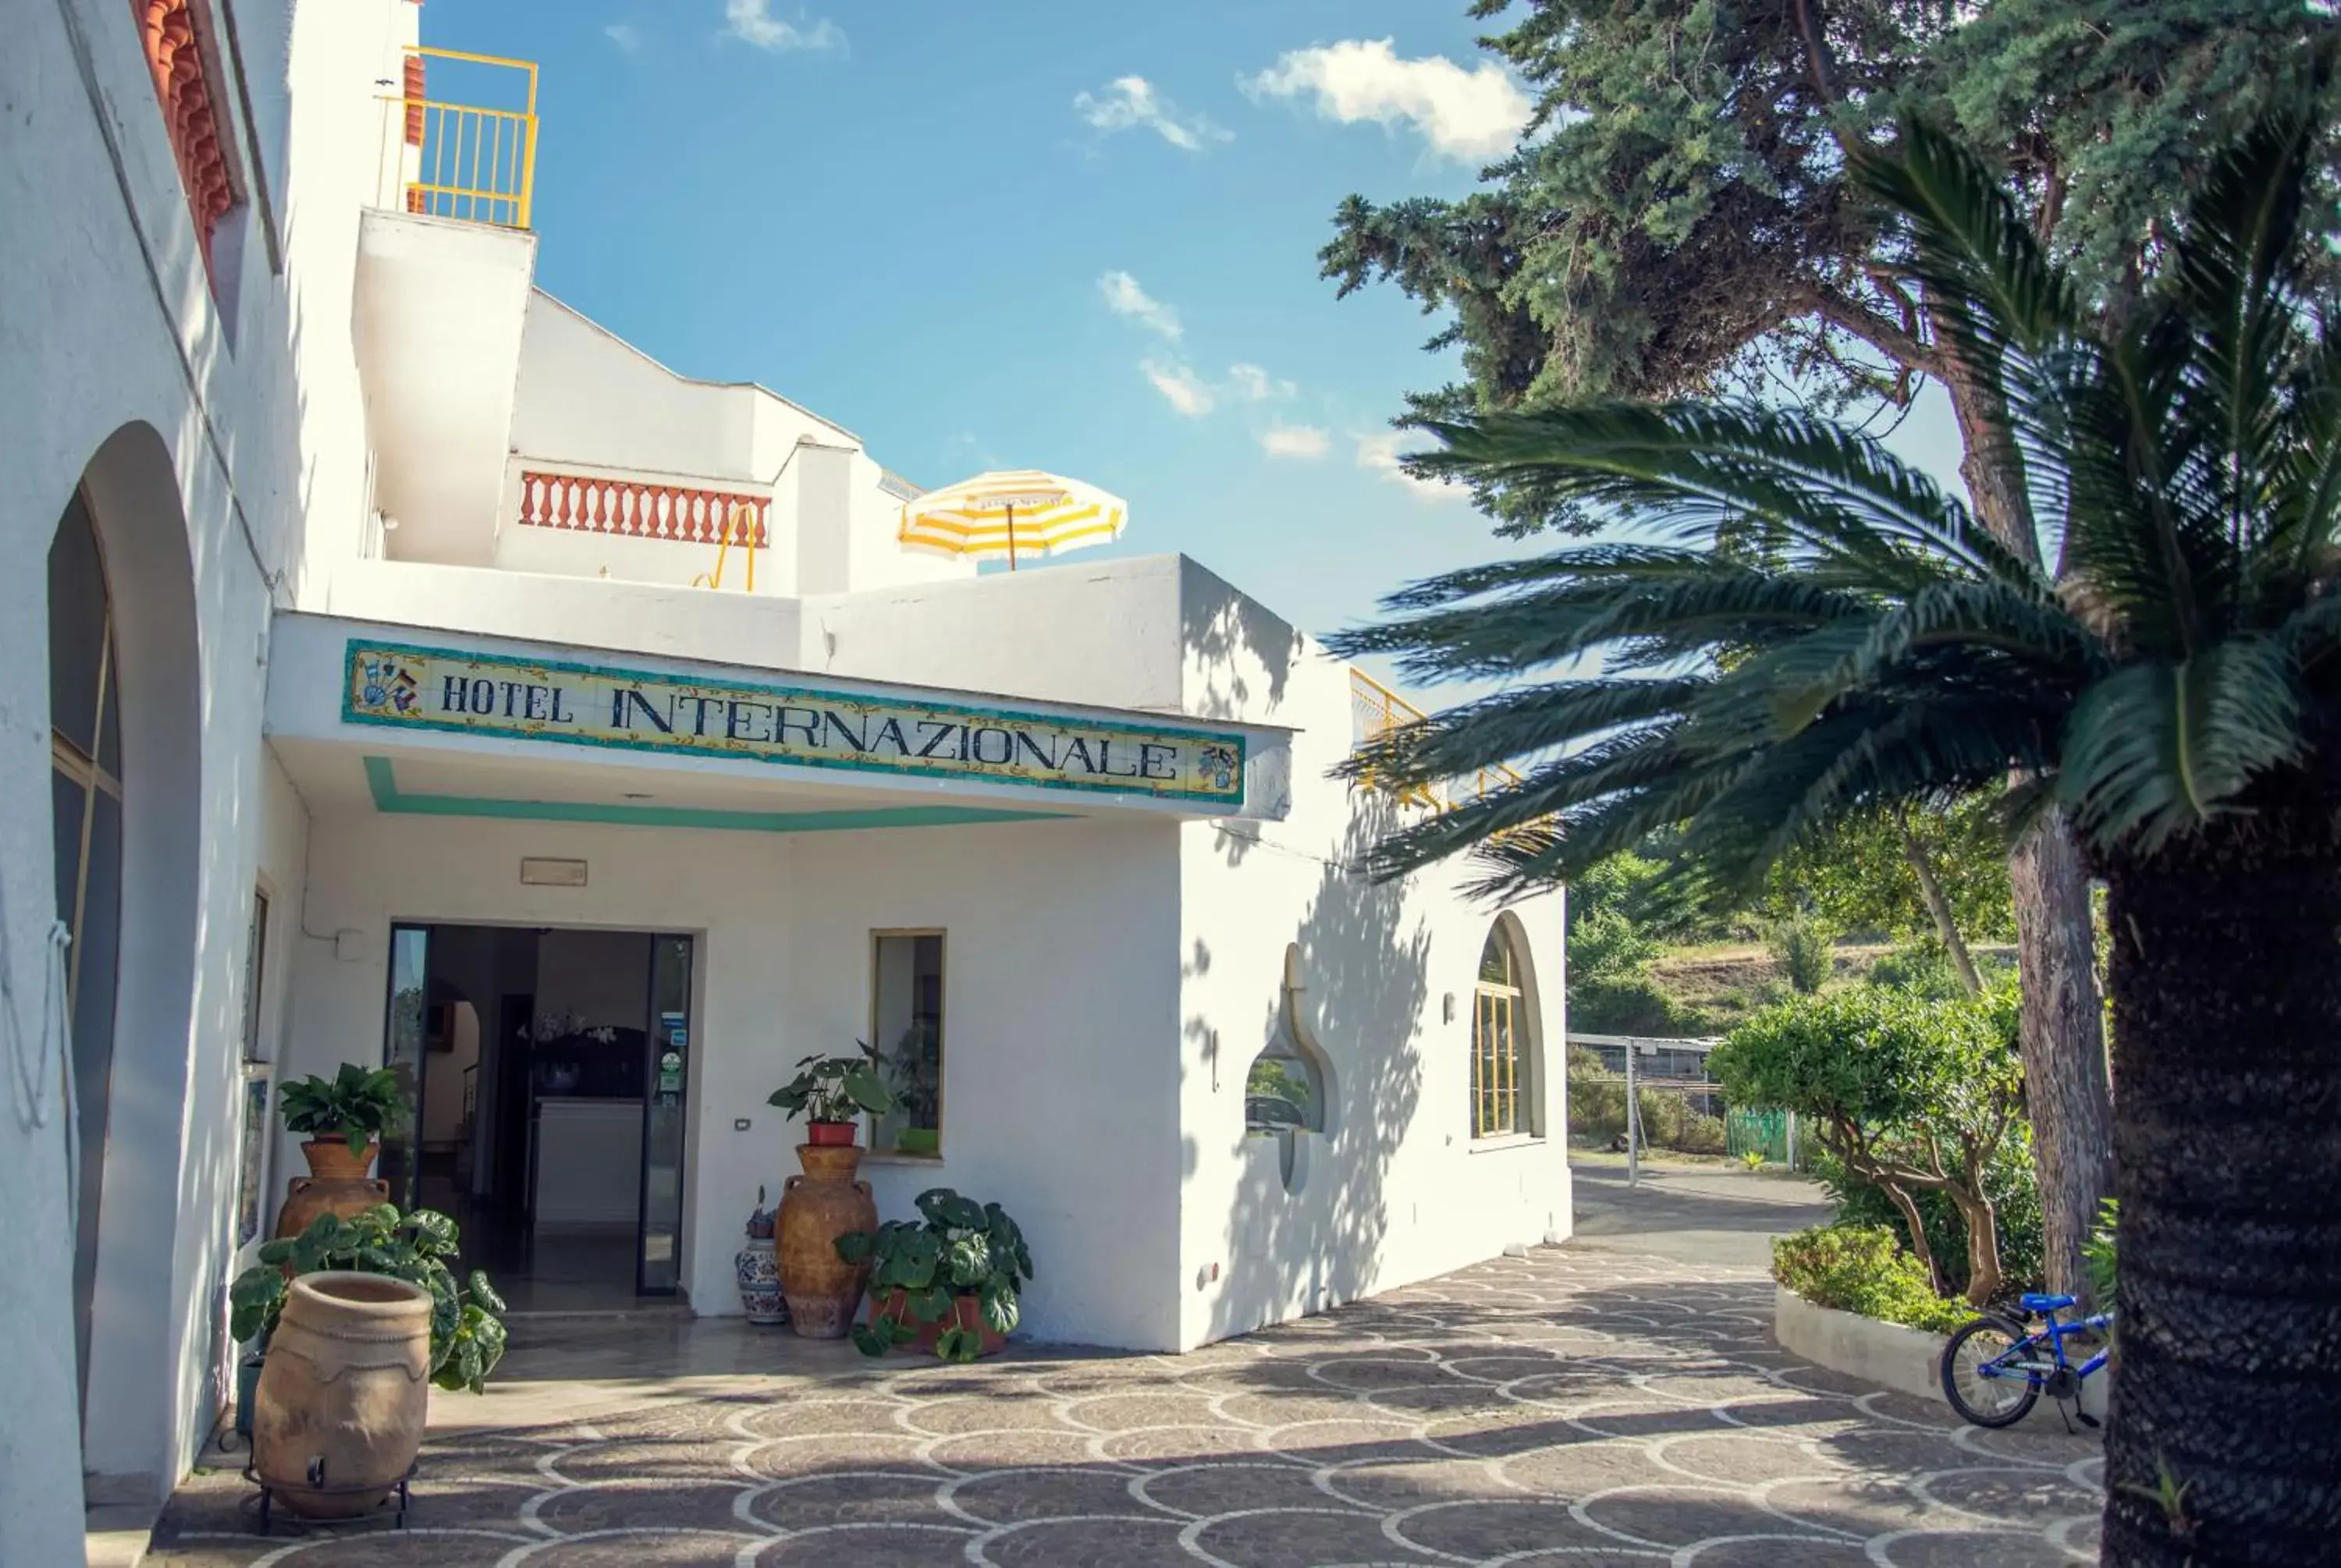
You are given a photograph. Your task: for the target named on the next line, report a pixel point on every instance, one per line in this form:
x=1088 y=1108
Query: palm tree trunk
x=2066 y=1094
x=2224 y=1444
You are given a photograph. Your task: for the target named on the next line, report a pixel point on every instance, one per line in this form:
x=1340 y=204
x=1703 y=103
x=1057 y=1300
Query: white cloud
x=751 y=21
x=1130 y=102
x=1189 y=395
x=1254 y=384
x=1377 y=455
x=1123 y=297
x=1305 y=442
x=624 y=35
x=1467 y=115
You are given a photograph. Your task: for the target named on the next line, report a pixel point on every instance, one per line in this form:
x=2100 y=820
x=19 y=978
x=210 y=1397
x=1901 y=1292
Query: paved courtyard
x=1587 y=1406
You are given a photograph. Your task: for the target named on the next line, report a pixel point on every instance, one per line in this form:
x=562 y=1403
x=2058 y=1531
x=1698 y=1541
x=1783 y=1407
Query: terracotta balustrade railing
x=183 y=89
x=640 y=509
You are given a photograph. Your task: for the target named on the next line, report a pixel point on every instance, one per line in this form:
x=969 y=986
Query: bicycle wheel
x=1988 y=1401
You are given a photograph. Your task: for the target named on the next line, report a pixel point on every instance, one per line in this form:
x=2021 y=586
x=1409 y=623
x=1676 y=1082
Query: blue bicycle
x=1995 y=1368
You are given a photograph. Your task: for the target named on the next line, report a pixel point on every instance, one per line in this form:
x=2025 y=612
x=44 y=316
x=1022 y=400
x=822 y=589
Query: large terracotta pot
x=337 y=1183
x=339 y=1412
x=822 y=1288
x=967 y=1311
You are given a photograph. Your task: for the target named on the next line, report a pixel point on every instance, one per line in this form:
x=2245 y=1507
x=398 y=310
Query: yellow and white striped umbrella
x=1020 y=511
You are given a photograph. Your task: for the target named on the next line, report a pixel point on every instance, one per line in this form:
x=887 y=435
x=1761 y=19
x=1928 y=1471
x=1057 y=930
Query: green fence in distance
x=1766 y=1131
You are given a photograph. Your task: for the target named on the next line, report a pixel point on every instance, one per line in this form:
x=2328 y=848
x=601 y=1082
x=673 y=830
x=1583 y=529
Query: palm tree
x=2175 y=684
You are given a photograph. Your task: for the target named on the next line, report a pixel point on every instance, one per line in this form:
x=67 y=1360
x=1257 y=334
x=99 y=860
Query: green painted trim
x=353 y=714
x=382 y=778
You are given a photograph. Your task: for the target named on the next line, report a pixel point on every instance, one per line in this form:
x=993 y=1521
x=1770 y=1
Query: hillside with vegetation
x=1656 y=950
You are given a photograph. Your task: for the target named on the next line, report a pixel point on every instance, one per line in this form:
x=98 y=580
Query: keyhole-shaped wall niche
x=1289 y=1089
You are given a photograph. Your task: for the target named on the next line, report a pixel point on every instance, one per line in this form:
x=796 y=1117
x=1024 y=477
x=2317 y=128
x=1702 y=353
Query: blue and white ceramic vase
x=759 y=1273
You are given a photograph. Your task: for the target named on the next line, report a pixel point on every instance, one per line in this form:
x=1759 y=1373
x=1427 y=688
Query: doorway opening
x=547 y=1070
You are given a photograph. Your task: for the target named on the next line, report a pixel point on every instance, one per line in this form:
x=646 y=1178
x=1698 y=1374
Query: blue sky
x=1059 y=233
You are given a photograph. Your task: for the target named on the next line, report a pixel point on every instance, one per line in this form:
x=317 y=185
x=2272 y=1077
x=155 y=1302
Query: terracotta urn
x=823 y=1289
x=966 y=1312
x=338 y=1416
x=337 y=1183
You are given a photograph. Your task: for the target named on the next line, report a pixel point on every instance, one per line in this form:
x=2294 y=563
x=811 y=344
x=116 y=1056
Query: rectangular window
x=906 y=1029
x=255 y=970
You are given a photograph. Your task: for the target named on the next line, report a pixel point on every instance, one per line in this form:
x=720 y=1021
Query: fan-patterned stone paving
x=1573 y=1409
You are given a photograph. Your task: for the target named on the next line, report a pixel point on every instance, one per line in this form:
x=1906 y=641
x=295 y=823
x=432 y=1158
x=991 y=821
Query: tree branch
x=1938 y=904
x=1852 y=315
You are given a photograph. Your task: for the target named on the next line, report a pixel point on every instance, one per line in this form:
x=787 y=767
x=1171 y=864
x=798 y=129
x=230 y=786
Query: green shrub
x=1910 y=1093
x=1922 y=968
x=1628 y=1004
x=2011 y=1181
x=1862 y=1269
x=1699 y=1134
x=1597 y=1108
x=1806 y=952
x=1605 y=942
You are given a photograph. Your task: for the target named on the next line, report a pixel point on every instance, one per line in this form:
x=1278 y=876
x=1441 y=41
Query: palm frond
x=1692 y=467
x=2154 y=750
x=1808 y=630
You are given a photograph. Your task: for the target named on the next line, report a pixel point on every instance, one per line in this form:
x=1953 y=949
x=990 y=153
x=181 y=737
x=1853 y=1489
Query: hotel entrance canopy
x=455 y=724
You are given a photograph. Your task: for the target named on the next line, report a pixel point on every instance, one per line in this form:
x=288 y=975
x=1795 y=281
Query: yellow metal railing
x=464 y=161
x=741 y=527
x=1375 y=708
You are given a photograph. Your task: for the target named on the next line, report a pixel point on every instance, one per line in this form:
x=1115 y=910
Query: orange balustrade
x=174 y=56
x=639 y=508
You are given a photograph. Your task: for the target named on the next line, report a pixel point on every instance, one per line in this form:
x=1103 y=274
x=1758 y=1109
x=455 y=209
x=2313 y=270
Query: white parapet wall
x=1888 y=1354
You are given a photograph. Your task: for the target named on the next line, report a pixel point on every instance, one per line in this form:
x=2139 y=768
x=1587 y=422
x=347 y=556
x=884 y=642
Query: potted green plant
x=467 y=1330
x=359 y=1311
x=353 y=1109
x=832 y=1093
x=345 y=1118
x=951 y=1279
x=822 y=1290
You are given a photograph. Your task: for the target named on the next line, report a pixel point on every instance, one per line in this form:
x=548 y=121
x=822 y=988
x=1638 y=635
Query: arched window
x=86 y=798
x=1499 y=1105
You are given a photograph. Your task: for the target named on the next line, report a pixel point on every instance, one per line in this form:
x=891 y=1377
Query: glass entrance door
x=666 y=1078
x=402 y=1052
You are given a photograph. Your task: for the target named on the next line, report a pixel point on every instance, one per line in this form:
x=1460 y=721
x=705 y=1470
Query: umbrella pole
x=1011 y=536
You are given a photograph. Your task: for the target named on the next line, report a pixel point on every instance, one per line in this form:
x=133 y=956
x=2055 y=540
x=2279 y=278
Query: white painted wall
x=214 y=432
x=589 y=402
x=1060 y=1100
x=1395 y=1190
x=1107 y=632
x=437 y=327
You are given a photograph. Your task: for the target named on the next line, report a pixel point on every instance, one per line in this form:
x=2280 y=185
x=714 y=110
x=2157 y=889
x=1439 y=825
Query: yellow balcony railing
x=474 y=162
x=1375 y=708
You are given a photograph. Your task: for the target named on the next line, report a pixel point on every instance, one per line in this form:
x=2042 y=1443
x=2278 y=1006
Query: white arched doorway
x=126 y=793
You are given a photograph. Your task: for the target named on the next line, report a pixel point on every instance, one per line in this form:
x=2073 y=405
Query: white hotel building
x=376 y=705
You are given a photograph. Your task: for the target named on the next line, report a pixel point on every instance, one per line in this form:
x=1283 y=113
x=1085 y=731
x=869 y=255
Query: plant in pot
x=822 y=1288
x=361 y=1311
x=951 y=1279
x=832 y=1093
x=345 y=1118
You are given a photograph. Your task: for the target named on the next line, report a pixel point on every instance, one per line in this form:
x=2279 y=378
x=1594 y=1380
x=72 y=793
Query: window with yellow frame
x=1499 y=1075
